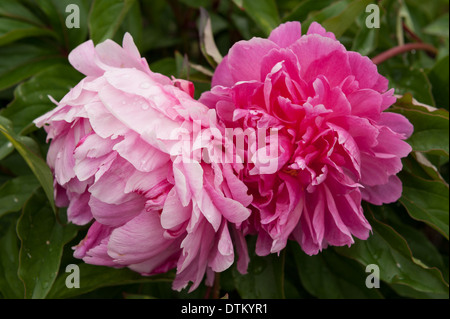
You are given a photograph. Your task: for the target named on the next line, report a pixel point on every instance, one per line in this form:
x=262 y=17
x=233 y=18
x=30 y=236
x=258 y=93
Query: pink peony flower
x=336 y=145
x=124 y=155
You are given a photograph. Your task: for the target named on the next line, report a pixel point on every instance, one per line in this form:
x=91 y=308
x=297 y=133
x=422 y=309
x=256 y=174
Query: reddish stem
x=402 y=49
x=411 y=33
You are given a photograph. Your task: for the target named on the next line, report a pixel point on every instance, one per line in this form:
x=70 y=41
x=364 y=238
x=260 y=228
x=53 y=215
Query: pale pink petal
x=116 y=214
x=223 y=256
x=79 y=211
x=81 y=59
x=140 y=239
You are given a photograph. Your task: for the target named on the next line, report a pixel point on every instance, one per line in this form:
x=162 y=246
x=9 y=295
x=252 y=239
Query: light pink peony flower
x=124 y=156
x=336 y=145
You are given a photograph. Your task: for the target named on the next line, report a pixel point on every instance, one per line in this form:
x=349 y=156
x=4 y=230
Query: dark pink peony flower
x=336 y=145
x=124 y=155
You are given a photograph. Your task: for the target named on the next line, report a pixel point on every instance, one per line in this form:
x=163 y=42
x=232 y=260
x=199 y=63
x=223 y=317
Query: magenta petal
x=222 y=75
x=376 y=171
x=334 y=65
x=316 y=28
x=366 y=103
x=286 y=34
x=391 y=142
x=366 y=73
x=244 y=59
x=385 y=193
x=337 y=233
x=397 y=123
x=313 y=47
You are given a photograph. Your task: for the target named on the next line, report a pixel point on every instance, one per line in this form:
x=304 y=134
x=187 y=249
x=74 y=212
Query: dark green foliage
x=410 y=238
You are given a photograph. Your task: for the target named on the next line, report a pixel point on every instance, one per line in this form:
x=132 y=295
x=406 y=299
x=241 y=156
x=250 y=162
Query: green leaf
x=133 y=24
x=15 y=10
x=419 y=165
x=42 y=241
x=6 y=147
x=426 y=201
x=366 y=40
x=431 y=126
x=35 y=162
x=305 y=8
x=265 y=277
x=264 y=13
x=330 y=276
x=31 y=98
x=422 y=248
x=55 y=10
x=333 y=10
x=439 y=78
x=10 y=285
x=196 y=3
x=20 y=61
x=166 y=66
x=340 y=23
x=15 y=192
x=94 y=277
x=409 y=80
x=438 y=27
x=207 y=44
x=12 y=30
x=106 y=17
x=390 y=252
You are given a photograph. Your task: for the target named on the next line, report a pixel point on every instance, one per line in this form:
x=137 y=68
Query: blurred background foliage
x=410 y=237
